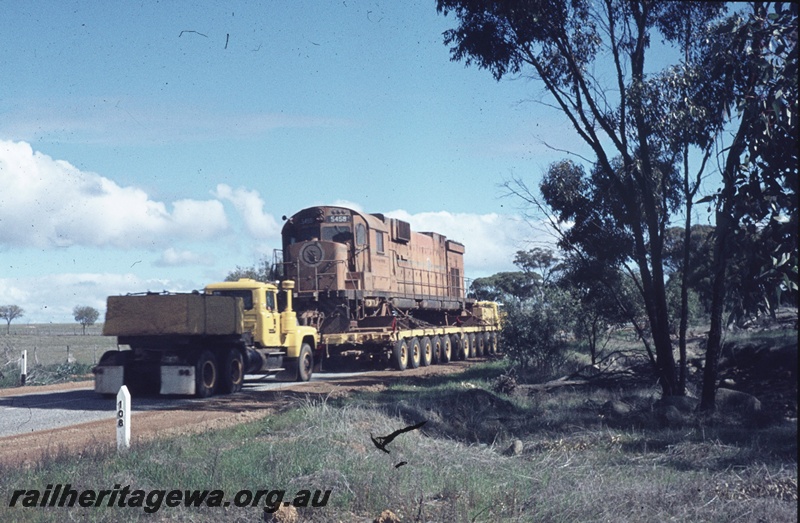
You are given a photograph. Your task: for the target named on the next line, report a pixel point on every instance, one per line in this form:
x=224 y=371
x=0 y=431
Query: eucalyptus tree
x=753 y=58
x=563 y=45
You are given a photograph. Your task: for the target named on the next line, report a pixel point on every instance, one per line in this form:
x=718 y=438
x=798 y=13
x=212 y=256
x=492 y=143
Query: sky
x=156 y=145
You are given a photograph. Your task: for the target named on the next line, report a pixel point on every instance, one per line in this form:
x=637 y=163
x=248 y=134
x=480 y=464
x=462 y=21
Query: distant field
x=54 y=343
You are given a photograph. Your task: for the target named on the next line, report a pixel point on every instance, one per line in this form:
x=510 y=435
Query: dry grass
x=573 y=467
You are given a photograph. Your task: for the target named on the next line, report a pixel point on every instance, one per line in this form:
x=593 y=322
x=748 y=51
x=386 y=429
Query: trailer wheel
x=480 y=344
x=231 y=375
x=305 y=363
x=413 y=353
x=400 y=354
x=425 y=352
x=491 y=343
x=206 y=373
x=436 y=343
x=472 y=351
x=457 y=349
x=447 y=350
x=465 y=347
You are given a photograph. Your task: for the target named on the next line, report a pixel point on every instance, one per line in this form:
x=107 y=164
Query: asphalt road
x=30 y=412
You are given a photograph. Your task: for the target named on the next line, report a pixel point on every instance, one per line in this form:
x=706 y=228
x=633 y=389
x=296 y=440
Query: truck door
x=271 y=336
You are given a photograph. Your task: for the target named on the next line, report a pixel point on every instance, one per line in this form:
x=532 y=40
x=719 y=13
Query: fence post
x=123 y=419
x=23 y=368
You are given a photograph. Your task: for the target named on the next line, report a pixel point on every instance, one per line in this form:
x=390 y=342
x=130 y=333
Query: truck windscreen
x=245 y=295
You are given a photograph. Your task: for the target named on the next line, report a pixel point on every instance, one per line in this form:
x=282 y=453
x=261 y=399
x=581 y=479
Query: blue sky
x=155 y=145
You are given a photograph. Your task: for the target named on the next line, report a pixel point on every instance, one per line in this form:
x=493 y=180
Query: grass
x=573 y=467
x=575 y=464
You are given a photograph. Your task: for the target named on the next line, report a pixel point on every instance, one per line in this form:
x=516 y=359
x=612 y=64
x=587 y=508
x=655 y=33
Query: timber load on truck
x=374 y=288
x=204 y=343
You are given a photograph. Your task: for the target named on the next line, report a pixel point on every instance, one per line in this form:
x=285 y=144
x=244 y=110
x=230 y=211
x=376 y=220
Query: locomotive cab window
x=361 y=235
x=303 y=234
x=379 y=242
x=337 y=233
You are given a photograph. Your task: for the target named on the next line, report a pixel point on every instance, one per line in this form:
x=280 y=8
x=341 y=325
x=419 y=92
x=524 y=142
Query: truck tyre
x=436 y=343
x=480 y=344
x=231 y=375
x=400 y=354
x=425 y=352
x=413 y=353
x=472 y=351
x=467 y=346
x=305 y=363
x=206 y=374
x=447 y=350
x=458 y=347
x=491 y=343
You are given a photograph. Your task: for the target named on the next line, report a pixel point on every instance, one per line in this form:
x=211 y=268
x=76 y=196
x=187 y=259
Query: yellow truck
x=204 y=343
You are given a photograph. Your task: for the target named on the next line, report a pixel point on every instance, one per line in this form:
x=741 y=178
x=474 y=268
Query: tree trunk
x=687 y=238
x=726 y=222
x=713 y=347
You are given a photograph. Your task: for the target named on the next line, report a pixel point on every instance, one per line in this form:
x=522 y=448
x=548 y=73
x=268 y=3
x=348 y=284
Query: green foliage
x=535 y=333
x=502 y=286
x=697 y=314
x=263 y=272
x=536 y=268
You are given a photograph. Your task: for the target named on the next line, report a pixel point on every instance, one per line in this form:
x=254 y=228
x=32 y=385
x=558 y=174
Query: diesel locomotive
x=360 y=271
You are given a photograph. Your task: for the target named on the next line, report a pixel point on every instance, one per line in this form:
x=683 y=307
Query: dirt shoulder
x=215 y=413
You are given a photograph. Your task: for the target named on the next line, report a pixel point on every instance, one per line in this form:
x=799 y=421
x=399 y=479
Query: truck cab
x=204 y=343
x=260 y=303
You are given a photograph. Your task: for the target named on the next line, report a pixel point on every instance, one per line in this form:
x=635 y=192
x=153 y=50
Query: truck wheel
x=206 y=374
x=436 y=343
x=231 y=375
x=447 y=350
x=413 y=353
x=480 y=344
x=425 y=352
x=400 y=354
x=305 y=363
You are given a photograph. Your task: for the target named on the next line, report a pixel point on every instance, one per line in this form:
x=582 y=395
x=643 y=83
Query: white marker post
x=23 y=368
x=123 y=419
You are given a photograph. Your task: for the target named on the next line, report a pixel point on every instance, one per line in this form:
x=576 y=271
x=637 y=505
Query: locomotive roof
x=375 y=220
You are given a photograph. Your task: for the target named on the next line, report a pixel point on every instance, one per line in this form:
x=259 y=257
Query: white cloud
x=50 y=203
x=348 y=205
x=180 y=258
x=51 y=297
x=250 y=206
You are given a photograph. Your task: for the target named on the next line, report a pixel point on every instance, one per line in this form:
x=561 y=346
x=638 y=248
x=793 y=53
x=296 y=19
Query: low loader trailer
x=201 y=344
x=409 y=343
